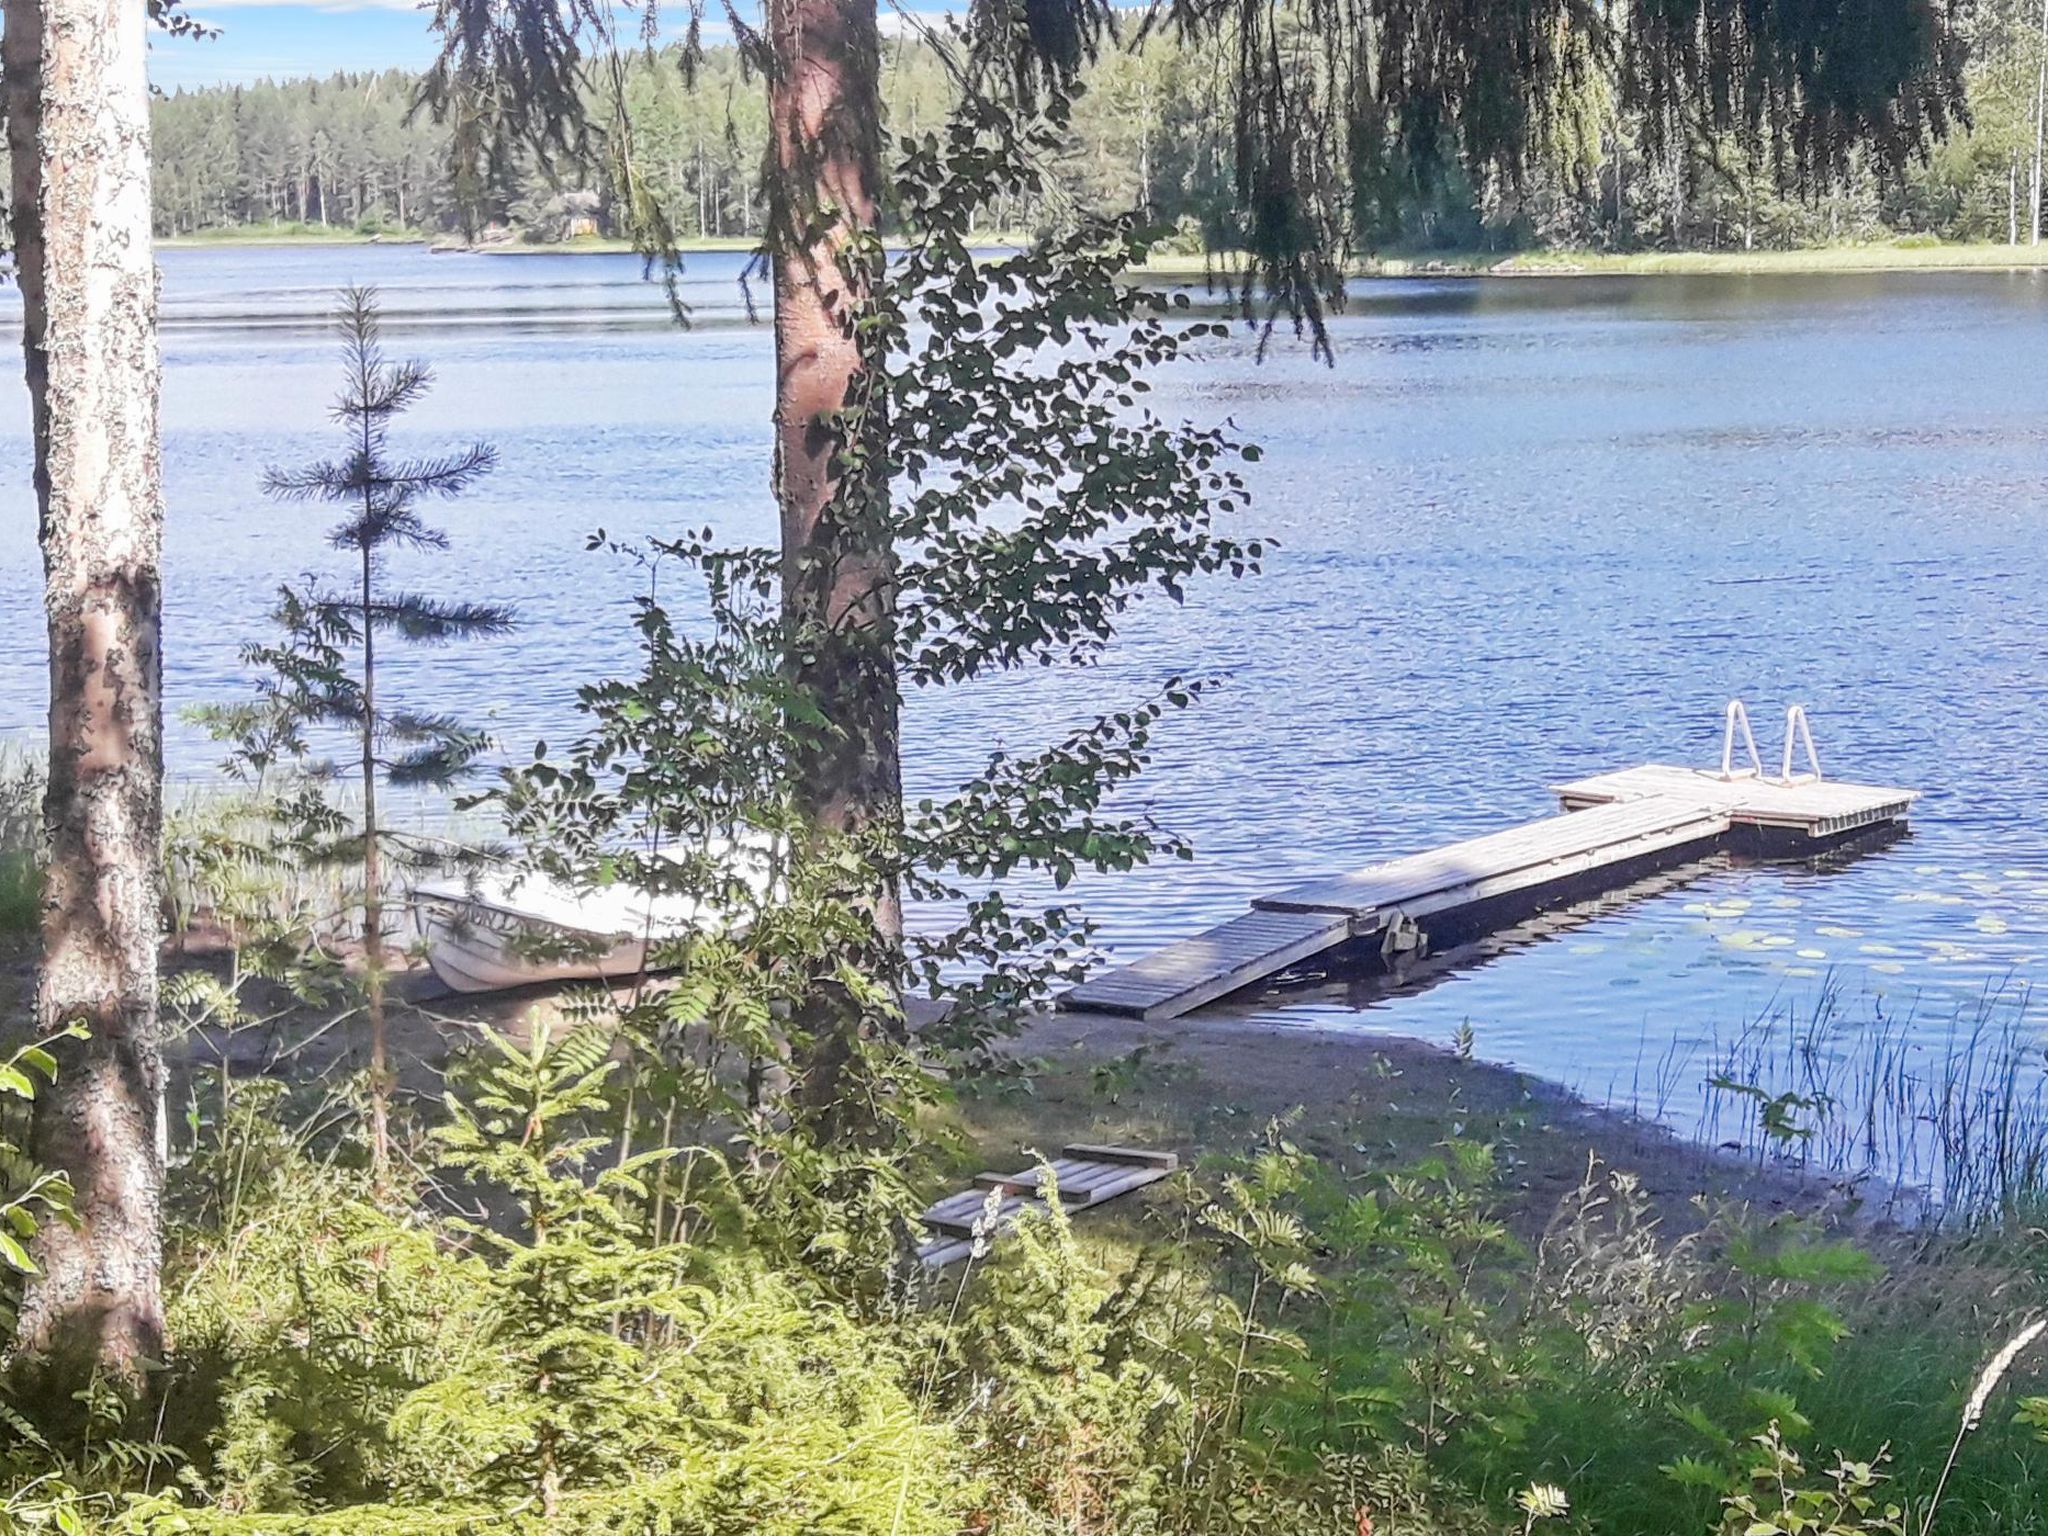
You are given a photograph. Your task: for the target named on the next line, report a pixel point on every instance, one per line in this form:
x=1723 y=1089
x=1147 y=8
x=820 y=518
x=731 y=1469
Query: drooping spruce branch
x=1327 y=103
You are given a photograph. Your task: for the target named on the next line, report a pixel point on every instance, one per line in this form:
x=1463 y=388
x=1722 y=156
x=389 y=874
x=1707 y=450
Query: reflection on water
x=1528 y=530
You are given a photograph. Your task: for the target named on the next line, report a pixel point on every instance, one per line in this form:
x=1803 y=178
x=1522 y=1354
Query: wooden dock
x=1612 y=825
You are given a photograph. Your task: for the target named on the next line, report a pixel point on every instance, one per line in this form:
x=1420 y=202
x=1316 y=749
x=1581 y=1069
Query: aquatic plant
x=1941 y=1115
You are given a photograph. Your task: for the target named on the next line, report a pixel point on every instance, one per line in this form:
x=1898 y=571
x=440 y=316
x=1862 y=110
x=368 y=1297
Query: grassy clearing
x=1642 y=1329
x=1209 y=1086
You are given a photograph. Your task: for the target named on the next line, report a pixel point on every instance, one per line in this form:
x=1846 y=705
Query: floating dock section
x=1614 y=824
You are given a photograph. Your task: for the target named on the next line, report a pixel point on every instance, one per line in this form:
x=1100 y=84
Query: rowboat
x=487 y=933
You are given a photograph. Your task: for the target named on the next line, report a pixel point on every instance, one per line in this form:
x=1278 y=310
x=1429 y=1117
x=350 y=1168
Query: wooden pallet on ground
x=1084 y=1175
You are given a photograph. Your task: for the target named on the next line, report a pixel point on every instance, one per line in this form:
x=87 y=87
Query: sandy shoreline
x=1203 y=1085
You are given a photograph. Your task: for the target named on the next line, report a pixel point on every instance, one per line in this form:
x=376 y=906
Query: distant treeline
x=1153 y=131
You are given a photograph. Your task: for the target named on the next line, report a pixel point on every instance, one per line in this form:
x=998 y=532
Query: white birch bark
x=78 y=130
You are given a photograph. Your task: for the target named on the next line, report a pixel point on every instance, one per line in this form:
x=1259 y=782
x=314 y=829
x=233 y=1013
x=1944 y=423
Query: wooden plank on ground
x=1076 y=1179
x=1082 y=1184
x=1101 y=1175
x=1139 y=1155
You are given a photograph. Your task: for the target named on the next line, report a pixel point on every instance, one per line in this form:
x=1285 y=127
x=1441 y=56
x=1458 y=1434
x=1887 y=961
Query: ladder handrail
x=1738 y=717
x=1799 y=730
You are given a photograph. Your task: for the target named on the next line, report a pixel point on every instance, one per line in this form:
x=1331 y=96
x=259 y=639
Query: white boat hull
x=521 y=929
x=475 y=944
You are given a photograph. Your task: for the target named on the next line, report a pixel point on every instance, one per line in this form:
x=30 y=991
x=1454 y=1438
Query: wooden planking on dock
x=1183 y=976
x=1816 y=807
x=1609 y=821
x=1478 y=868
x=1311 y=918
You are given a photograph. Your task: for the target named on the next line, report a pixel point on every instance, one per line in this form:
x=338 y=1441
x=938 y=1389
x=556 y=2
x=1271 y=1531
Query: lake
x=1528 y=530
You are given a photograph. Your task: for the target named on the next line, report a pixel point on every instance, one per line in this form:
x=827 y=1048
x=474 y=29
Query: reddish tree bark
x=825 y=113
x=78 y=135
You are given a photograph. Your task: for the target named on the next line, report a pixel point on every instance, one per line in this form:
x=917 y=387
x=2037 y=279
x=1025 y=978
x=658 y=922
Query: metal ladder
x=1798 y=733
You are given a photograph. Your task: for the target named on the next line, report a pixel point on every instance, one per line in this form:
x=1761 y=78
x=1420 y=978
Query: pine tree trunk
x=78 y=133
x=373 y=874
x=838 y=560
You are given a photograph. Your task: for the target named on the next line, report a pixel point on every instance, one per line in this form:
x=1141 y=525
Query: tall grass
x=1941 y=1116
x=208 y=826
x=21 y=841
x=232 y=845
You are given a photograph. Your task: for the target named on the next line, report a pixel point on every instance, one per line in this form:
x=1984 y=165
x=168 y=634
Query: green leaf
x=15 y=1257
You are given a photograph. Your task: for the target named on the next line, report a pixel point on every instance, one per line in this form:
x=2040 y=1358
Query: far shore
x=1892 y=256
x=1816 y=260
x=267 y=235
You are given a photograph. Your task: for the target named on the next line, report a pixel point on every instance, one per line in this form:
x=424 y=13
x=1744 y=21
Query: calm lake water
x=1528 y=530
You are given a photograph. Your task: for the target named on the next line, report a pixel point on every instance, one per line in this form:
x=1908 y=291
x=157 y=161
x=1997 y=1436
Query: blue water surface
x=1527 y=530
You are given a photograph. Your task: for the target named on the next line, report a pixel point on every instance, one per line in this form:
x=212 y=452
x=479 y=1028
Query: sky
x=285 y=38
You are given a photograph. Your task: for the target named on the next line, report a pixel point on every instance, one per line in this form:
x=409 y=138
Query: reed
x=1938 y=1115
x=1973 y=1410
x=226 y=844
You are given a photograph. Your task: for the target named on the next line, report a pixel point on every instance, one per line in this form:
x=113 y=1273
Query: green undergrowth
x=21 y=841
x=21 y=892
x=544 y=1330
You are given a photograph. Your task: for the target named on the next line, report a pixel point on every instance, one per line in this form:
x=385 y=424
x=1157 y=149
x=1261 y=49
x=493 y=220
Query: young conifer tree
x=323 y=673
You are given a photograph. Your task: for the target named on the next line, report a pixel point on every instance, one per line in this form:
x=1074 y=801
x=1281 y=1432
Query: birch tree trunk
x=838 y=558
x=78 y=135
x=2012 y=199
x=2040 y=127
